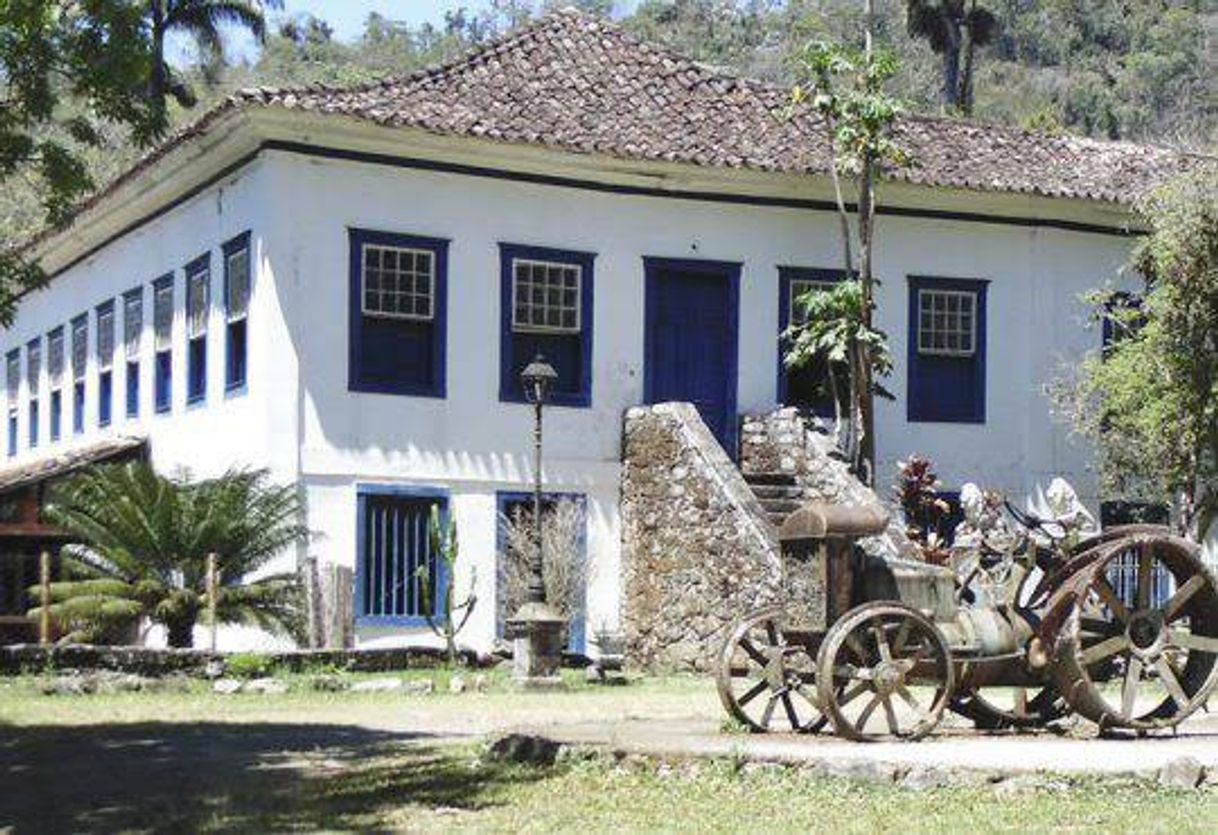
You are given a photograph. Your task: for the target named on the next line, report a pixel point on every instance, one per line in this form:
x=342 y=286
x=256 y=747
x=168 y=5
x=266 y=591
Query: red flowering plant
x=917 y=493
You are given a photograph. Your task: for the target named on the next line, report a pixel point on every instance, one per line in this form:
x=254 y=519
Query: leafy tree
x=145 y=540
x=954 y=29
x=1149 y=401
x=66 y=70
x=858 y=121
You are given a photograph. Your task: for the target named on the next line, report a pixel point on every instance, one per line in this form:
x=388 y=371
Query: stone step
x=784 y=479
x=777 y=491
x=777 y=518
x=782 y=505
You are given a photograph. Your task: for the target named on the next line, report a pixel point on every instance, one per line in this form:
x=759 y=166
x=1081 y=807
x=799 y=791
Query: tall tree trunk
x=951 y=68
x=157 y=79
x=965 y=100
x=181 y=632
x=865 y=457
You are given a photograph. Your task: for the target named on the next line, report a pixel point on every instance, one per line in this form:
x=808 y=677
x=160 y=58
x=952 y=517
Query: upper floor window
x=80 y=356
x=946 y=350
x=236 y=311
x=198 y=309
x=12 y=381
x=546 y=297
x=33 y=373
x=133 y=331
x=807 y=386
x=105 y=362
x=162 y=341
x=55 y=366
x=398 y=306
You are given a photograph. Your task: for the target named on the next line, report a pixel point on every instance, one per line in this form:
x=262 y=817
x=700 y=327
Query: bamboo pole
x=44 y=583
x=211 y=597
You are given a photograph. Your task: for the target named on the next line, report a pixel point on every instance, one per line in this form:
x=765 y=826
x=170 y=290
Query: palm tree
x=201 y=20
x=952 y=28
x=144 y=545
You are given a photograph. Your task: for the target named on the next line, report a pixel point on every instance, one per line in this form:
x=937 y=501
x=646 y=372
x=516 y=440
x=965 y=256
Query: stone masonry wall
x=697 y=549
x=784 y=441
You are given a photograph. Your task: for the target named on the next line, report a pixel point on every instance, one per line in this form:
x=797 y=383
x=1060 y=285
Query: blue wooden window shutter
x=398 y=310
x=392 y=542
x=162 y=337
x=546 y=307
x=947 y=350
x=237 y=284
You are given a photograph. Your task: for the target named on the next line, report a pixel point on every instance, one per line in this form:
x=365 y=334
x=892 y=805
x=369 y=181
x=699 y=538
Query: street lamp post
x=536 y=629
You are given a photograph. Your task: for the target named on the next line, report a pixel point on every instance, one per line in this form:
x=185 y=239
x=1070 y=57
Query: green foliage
x=954 y=29
x=1150 y=400
x=833 y=326
x=145 y=543
x=446 y=547
x=248 y=665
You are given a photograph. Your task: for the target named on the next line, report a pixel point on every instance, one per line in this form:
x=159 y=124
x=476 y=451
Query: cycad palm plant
x=144 y=545
x=953 y=28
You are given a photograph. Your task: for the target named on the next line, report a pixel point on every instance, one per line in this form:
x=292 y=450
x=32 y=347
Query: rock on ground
x=1182 y=773
x=528 y=749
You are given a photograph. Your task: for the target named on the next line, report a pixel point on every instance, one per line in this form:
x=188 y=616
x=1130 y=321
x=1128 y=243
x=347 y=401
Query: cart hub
x=1145 y=631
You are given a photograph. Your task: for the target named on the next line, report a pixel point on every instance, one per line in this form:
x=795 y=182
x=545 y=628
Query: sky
x=348 y=16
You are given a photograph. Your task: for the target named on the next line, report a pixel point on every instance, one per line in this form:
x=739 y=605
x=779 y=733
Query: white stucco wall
x=299 y=419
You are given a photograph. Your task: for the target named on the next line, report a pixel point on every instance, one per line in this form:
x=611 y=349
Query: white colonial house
x=342 y=285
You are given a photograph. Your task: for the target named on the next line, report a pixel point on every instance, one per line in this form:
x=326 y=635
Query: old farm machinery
x=1120 y=628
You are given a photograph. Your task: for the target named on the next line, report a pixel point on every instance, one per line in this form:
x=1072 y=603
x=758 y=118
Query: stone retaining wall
x=697 y=549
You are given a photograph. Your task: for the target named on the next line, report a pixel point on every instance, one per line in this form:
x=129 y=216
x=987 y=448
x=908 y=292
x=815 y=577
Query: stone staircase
x=780 y=494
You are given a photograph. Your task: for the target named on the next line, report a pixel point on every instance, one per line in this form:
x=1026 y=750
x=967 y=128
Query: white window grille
x=197 y=295
x=237 y=271
x=80 y=348
x=105 y=338
x=162 y=316
x=546 y=296
x=34 y=365
x=399 y=283
x=54 y=358
x=12 y=374
x=800 y=287
x=947 y=322
x=133 y=323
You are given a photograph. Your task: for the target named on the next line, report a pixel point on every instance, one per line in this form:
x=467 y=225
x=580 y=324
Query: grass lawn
x=305 y=761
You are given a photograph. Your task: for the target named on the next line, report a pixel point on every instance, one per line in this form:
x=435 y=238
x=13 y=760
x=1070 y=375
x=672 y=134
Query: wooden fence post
x=44 y=583
x=211 y=597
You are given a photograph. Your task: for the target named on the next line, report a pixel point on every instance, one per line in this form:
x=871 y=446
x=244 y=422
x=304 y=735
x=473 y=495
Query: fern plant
x=144 y=539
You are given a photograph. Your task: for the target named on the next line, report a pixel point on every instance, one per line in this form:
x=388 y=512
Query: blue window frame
x=55 y=368
x=12 y=380
x=806 y=387
x=947 y=343
x=105 y=362
x=398 y=311
x=546 y=308
x=237 y=275
x=133 y=332
x=80 y=357
x=511 y=502
x=198 y=313
x=33 y=373
x=392 y=543
x=162 y=337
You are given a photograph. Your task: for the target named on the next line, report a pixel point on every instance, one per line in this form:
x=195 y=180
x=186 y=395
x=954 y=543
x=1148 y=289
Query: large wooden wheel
x=1139 y=645
x=767 y=682
x=884 y=670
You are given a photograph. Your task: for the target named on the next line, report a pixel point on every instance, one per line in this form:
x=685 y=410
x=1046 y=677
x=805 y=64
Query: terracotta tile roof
x=578 y=83
x=70 y=460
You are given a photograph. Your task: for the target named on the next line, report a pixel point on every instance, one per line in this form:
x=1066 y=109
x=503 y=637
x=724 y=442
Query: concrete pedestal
x=536 y=632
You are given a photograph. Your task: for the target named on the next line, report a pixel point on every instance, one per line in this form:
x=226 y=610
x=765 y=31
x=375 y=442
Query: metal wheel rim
x=872 y=668
x=765 y=682
x=1031 y=707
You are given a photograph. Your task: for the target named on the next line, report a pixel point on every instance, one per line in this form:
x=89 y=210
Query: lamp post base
x=536 y=632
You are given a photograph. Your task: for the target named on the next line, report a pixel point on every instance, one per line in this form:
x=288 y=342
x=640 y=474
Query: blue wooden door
x=691 y=341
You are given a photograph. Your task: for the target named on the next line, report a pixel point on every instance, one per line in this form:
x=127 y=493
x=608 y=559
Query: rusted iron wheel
x=767 y=682
x=884 y=670
x=1138 y=643
x=1006 y=708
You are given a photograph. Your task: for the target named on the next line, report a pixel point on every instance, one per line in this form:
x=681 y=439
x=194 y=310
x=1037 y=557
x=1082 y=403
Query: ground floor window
x=564 y=533
x=398 y=577
x=1123 y=574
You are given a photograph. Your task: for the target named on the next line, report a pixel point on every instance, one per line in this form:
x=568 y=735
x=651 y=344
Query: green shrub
x=248 y=665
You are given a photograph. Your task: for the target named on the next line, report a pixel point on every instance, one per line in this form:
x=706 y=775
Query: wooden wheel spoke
x=881 y=642
x=1172 y=608
x=1129 y=690
x=1167 y=674
x=902 y=637
x=771 y=632
x=1105 y=590
x=767 y=715
x=853 y=693
x=1098 y=626
x=753 y=692
x=861 y=722
x=753 y=652
x=1189 y=640
x=1146 y=565
x=890 y=713
x=852 y=642
x=803 y=693
x=1104 y=649
x=789 y=707
x=1021 y=701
